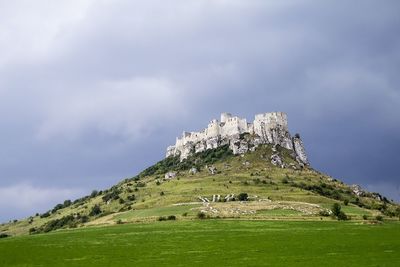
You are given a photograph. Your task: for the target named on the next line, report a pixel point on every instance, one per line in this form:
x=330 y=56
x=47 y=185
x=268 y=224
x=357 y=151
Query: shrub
x=285 y=181
x=4 y=235
x=162 y=218
x=58 y=223
x=162 y=193
x=243 y=196
x=365 y=217
x=338 y=213
x=336 y=209
x=184 y=214
x=171 y=217
x=113 y=195
x=45 y=215
x=94 y=193
x=95 y=210
x=379 y=218
x=84 y=219
x=140 y=184
x=32 y=230
x=201 y=215
x=57 y=207
x=342 y=216
x=346 y=202
x=67 y=203
x=119 y=221
x=131 y=198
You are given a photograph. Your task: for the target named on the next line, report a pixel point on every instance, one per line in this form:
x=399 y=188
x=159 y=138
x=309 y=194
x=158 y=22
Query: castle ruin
x=267 y=128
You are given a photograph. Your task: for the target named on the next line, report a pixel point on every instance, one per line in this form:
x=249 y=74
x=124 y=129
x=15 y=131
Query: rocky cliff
x=241 y=136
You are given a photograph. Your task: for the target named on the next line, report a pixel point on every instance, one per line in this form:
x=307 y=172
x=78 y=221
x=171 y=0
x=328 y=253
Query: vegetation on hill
x=245 y=186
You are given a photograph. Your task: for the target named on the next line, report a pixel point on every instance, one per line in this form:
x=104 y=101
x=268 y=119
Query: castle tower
x=225 y=117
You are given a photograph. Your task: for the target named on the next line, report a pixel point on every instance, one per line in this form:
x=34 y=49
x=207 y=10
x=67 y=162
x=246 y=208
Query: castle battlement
x=267 y=128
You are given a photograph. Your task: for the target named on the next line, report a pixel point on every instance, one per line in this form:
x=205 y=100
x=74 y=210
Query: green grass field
x=210 y=243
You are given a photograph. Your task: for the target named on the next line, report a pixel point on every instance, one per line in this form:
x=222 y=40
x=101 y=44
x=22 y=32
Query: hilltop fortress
x=267 y=128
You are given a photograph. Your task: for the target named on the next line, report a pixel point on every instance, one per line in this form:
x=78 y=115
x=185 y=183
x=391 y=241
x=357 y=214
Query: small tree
x=243 y=196
x=201 y=215
x=338 y=213
x=95 y=210
x=94 y=193
x=336 y=209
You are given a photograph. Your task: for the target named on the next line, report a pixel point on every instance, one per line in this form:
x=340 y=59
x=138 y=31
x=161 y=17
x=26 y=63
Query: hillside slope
x=215 y=184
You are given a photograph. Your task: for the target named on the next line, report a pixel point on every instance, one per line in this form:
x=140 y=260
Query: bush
x=67 y=203
x=119 y=221
x=140 y=184
x=45 y=215
x=184 y=214
x=84 y=219
x=113 y=195
x=162 y=193
x=342 y=216
x=336 y=209
x=57 y=207
x=58 y=223
x=196 y=160
x=4 y=235
x=346 y=202
x=201 y=215
x=95 y=210
x=171 y=217
x=162 y=218
x=285 y=181
x=243 y=196
x=132 y=198
x=94 y=193
x=379 y=218
x=365 y=217
x=338 y=213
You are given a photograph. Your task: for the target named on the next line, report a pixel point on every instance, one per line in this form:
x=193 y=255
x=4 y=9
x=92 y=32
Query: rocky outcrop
x=267 y=128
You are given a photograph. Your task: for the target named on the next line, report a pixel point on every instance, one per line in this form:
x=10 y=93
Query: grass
x=212 y=243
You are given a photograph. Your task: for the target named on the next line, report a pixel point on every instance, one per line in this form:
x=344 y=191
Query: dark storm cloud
x=93 y=91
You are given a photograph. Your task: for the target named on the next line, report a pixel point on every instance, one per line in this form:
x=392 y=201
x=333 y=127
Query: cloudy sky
x=92 y=92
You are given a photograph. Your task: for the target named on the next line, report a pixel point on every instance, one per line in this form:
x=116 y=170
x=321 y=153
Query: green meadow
x=210 y=242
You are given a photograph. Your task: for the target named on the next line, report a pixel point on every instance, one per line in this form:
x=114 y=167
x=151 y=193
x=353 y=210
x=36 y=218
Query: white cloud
x=23 y=198
x=29 y=29
x=130 y=108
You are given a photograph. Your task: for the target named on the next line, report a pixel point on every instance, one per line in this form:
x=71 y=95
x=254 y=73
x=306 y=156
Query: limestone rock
x=193 y=170
x=277 y=161
x=211 y=169
x=170 y=175
x=357 y=190
x=299 y=149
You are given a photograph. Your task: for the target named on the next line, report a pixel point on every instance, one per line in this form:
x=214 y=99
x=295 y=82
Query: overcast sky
x=92 y=92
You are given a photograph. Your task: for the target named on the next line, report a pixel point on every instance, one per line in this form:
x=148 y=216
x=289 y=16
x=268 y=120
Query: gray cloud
x=93 y=91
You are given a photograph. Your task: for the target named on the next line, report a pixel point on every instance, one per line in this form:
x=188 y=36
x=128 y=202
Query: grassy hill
x=257 y=190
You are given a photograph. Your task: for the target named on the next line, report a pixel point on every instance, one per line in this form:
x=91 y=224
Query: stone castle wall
x=267 y=128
